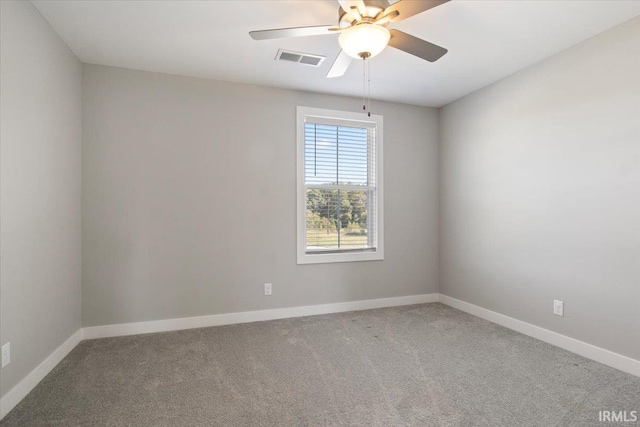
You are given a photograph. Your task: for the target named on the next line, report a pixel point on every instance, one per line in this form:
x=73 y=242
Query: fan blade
x=408 y=8
x=387 y=18
x=356 y=13
x=346 y=5
x=340 y=65
x=282 y=33
x=415 y=46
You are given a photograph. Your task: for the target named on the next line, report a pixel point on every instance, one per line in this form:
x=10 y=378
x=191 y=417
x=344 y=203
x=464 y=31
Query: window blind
x=340 y=187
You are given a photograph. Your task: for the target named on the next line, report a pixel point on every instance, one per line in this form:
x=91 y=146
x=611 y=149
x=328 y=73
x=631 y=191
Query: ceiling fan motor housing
x=373 y=8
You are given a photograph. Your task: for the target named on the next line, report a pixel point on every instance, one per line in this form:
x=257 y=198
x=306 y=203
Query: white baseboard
x=606 y=357
x=20 y=390
x=249 y=316
x=17 y=393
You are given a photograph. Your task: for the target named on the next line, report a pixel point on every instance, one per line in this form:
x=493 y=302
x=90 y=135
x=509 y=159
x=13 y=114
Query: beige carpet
x=422 y=365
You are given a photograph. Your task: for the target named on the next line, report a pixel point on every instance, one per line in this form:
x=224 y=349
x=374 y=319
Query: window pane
x=338 y=219
x=336 y=154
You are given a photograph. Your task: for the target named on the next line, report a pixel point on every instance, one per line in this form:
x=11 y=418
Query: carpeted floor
x=421 y=365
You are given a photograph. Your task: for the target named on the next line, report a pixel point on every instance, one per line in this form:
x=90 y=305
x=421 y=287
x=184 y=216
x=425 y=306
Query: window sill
x=322 y=258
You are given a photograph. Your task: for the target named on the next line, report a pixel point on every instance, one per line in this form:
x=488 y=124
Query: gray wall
x=540 y=193
x=189 y=190
x=40 y=140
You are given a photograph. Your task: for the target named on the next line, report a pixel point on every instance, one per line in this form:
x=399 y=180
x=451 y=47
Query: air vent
x=300 y=58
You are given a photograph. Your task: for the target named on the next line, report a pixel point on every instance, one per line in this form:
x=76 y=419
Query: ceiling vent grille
x=300 y=58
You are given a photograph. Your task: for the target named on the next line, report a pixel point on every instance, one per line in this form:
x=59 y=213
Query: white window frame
x=348 y=256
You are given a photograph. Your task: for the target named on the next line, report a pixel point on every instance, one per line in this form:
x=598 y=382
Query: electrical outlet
x=267 y=288
x=6 y=354
x=558 y=307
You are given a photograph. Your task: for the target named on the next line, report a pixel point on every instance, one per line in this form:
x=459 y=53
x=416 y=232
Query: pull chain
x=364 y=83
x=369 y=88
x=366 y=86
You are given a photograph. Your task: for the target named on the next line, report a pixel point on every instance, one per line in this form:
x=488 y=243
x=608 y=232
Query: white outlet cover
x=6 y=354
x=558 y=308
x=268 y=288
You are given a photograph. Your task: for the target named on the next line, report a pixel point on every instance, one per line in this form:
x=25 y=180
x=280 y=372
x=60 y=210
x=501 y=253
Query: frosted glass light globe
x=364 y=40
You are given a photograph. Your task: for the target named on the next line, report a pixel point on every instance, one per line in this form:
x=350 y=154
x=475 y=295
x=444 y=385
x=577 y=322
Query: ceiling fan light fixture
x=364 y=40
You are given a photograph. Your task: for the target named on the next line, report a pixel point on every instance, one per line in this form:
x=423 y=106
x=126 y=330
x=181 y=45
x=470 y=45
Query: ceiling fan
x=362 y=25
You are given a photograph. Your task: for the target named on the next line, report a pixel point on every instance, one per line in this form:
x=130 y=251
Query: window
x=339 y=186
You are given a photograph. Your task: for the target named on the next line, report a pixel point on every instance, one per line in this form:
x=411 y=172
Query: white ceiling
x=487 y=40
